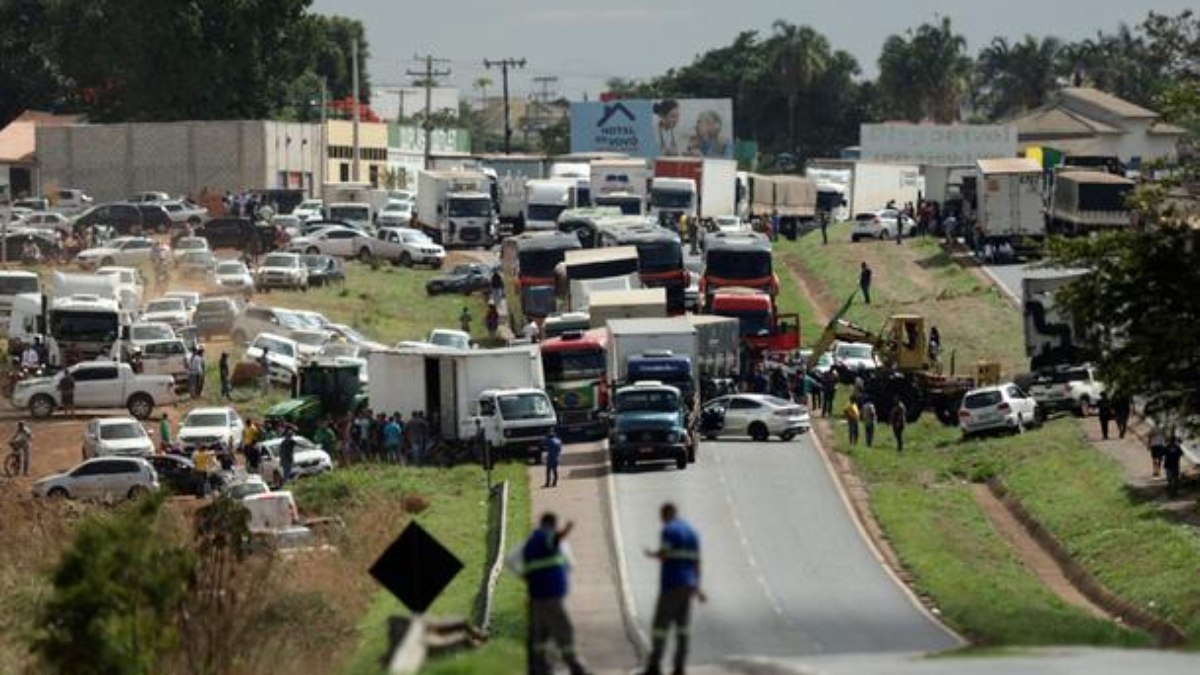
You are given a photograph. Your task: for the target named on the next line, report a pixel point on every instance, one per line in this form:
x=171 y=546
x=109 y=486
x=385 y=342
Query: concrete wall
x=112 y=161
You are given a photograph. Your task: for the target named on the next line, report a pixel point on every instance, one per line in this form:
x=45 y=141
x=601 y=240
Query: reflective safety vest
x=545 y=566
x=680 y=555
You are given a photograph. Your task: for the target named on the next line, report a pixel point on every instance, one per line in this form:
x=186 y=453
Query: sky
x=585 y=43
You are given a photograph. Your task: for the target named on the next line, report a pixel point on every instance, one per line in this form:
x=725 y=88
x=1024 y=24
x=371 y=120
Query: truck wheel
x=140 y=406
x=681 y=462
x=406 y=259
x=41 y=406
x=313 y=250
x=758 y=432
x=364 y=255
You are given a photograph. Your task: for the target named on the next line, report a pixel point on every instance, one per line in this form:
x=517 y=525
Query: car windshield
x=350 y=213
x=310 y=205
x=206 y=419
x=659 y=256
x=400 y=207
x=449 y=339
x=416 y=238
x=197 y=257
x=121 y=432
x=480 y=207
x=166 y=305
x=276 y=346
x=539 y=263
x=854 y=351
x=661 y=400
x=85 y=326
x=750 y=322
x=231 y=268
x=574 y=364
x=275 y=260
x=671 y=199
x=981 y=399
x=147 y=332
x=350 y=333
x=525 y=406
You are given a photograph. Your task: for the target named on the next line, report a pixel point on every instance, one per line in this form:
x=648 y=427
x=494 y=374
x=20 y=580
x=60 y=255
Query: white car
x=186 y=244
x=445 y=337
x=336 y=240
x=129 y=283
x=123 y=436
x=758 y=416
x=408 y=247
x=1000 y=408
x=47 y=220
x=171 y=311
x=396 y=213
x=880 y=225
x=309 y=209
x=143 y=333
x=190 y=298
x=232 y=275
x=730 y=224
x=354 y=337
x=1076 y=389
x=283 y=355
x=148 y=197
x=126 y=251
x=246 y=486
x=281 y=270
x=308 y=459
x=853 y=358
x=310 y=342
x=101 y=478
x=204 y=427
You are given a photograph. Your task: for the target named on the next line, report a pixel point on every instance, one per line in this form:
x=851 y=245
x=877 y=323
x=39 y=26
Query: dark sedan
x=181 y=477
x=323 y=269
x=465 y=279
x=238 y=233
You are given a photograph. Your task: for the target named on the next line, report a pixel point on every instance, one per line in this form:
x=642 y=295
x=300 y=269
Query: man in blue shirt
x=552 y=444
x=679 y=551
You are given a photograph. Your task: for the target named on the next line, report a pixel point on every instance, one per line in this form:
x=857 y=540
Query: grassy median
x=923 y=499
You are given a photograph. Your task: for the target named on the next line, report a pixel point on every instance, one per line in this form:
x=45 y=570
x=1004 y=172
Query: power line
x=428 y=74
x=504 y=65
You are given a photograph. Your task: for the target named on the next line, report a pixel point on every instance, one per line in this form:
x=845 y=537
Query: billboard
x=650 y=129
x=936 y=143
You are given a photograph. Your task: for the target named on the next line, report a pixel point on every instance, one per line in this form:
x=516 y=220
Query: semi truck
x=641 y=303
x=509 y=174
x=623 y=183
x=1082 y=201
x=697 y=187
x=718 y=347
x=1009 y=201
x=575 y=366
x=651 y=423
x=546 y=199
x=737 y=259
x=455 y=207
x=498 y=391
x=1051 y=337
x=761 y=327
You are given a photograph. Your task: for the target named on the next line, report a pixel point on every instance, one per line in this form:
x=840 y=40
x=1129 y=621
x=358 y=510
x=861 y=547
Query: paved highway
x=785 y=568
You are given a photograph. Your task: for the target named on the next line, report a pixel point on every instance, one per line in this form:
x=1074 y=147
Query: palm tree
x=798 y=56
x=482 y=84
x=930 y=67
x=1018 y=77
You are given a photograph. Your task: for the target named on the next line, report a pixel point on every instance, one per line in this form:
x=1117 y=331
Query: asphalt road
x=785 y=568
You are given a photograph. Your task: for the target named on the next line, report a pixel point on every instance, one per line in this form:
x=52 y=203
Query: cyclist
x=21 y=443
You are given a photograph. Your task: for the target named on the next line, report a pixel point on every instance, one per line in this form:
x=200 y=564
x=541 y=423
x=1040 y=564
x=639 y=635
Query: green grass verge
x=457 y=517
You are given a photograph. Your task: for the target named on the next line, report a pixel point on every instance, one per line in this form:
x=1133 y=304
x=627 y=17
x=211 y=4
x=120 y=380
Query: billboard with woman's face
x=650 y=129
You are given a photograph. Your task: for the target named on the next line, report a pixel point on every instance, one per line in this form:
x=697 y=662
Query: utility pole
x=504 y=65
x=427 y=75
x=324 y=141
x=354 y=176
x=542 y=101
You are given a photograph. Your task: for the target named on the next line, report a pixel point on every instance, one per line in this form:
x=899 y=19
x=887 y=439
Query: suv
x=1073 y=388
x=216 y=315
x=119 y=436
x=123 y=218
x=1003 y=407
x=281 y=270
x=257 y=319
x=101 y=478
x=155 y=218
x=237 y=233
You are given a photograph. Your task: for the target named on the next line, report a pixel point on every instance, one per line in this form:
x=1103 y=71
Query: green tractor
x=327 y=390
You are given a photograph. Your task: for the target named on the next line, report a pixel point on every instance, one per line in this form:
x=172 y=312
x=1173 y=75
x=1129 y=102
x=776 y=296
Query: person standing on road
x=223 y=372
x=544 y=561
x=899 y=420
x=552 y=445
x=829 y=391
x=1121 y=408
x=869 y=416
x=864 y=282
x=66 y=392
x=1158 y=449
x=852 y=413
x=1104 y=410
x=196 y=372
x=679 y=582
x=1172 y=456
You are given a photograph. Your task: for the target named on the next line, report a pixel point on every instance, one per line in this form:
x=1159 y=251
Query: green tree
x=925 y=74
x=798 y=56
x=116 y=593
x=555 y=139
x=27 y=71
x=1016 y=77
x=331 y=39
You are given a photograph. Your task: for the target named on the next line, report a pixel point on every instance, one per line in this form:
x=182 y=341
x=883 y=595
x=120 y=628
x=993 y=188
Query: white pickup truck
x=98 y=384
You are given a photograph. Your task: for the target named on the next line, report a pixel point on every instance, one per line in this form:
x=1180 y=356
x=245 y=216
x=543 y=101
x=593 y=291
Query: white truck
x=98 y=384
x=455 y=207
x=874 y=184
x=623 y=183
x=693 y=186
x=634 y=337
x=76 y=327
x=546 y=199
x=500 y=390
x=1009 y=200
x=104 y=286
x=509 y=174
x=12 y=284
x=1052 y=338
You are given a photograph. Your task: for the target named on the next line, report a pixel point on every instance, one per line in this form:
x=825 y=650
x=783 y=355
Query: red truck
x=762 y=327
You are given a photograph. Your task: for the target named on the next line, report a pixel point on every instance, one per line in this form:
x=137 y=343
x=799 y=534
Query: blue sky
x=584 y=43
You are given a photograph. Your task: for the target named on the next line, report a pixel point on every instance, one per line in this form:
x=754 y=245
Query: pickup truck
x=408 y=247
x=98 y=384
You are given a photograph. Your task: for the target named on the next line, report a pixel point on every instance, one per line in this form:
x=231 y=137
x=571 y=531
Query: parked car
x=340 y=241
x=101 y=478
x=190 y=298
x=881 y=224
x=122 y=436
x=179 y=476
x=408 y=247
x=360 y=216
x=48 y=220
x=195 y=264
x=145 y=332
x=45 y=241
x=70 y=200
x=309 y=209
x=124 y=251
x=323 y=269
x=281 y=270
x=310 y=341
x=283 y=354
x=171 y=311
x=184 y=244
x=256 y=319
x=183 y=211
x=245 y=486
x=466 y=279
x=155 y=218
x=396 y=213
x=124 y=219
x=999 y=408
x=232 y=276
x=307 y=460
x=205 y=427
x=238 y=233
x=352 y=336
x=1074 y=388
x=98 y=384
x=445 y=337
x=148 y=197
x=758 y=416
x=851 y=359
x=216 y=315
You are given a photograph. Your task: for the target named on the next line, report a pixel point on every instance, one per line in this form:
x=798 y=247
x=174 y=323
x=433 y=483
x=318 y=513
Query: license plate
x=989 y=418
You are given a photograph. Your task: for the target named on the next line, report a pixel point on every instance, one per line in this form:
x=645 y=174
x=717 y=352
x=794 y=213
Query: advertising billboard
x=651 y=129
x=937 y=143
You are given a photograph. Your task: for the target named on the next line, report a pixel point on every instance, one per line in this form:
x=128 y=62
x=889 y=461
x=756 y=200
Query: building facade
x=372 y=152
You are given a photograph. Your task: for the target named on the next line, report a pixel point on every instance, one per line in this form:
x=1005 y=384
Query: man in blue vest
x=543 y=561
x=679 y=551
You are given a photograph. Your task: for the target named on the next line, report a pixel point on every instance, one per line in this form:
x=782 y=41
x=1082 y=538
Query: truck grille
x=528 y=432
x=648 y=436
x=469 y=234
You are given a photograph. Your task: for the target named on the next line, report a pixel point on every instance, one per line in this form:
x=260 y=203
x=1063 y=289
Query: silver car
x=101 y=478
x=758 y=416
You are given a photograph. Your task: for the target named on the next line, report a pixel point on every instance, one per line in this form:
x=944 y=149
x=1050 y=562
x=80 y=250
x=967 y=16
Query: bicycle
x=12 y=462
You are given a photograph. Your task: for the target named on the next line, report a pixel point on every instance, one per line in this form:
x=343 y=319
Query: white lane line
x=635 y=631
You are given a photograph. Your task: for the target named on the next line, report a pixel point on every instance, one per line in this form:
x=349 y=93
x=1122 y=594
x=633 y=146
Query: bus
x=660 y=256
x=529 y=261
x=737 y=259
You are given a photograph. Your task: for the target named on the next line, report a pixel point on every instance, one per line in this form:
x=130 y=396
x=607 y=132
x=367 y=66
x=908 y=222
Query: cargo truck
x=762 y=195
x=529 y=261
x=623 y=183
x=500 y=390
x=1082 y=201
x=587 y=270
x=874 y=185
x=641 y=303
x=575 y=365
x=509 y=174
x=1009 y=201
x=693 y=186
x=455 y=207
x=546 y=199
x=741 y=259
x=1051 y=337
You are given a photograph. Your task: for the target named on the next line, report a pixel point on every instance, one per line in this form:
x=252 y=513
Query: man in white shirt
x=30 y=358
x=196 y=372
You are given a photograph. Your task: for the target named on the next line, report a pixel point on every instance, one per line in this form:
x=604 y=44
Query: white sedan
x=308 y=459
x=341 y=241
x=758 y=416
x=126 y=251
x=1000 y=408
x=185 y=244
x=881 y=224
x=122 y=436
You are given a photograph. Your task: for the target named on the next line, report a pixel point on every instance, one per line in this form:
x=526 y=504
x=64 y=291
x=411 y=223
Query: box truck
x=509 y=174
x=873 y=185
x=641 y=303
x=1010 y=200
x=1082 y=201
x=623 y=183
x=693 y=186
x=455 y=207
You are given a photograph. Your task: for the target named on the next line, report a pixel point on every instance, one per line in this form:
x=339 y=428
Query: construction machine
x=906 y=372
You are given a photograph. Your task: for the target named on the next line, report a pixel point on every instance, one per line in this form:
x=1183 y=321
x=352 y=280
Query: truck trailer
x=1009 y=200
x=693 y=186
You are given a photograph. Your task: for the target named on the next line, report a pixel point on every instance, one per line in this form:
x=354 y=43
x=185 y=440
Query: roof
x=627 y=298
x=750 y=241
x=547 y=241
x=18 y=140
x=588 y=256
x=1054 y=121
x=1008 y=165
x=671 y=326
x=1166 y=129
x=1094 y=177
x=1105 y=101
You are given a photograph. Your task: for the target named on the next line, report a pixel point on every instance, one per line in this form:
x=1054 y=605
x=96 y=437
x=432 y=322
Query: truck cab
x=737 y=260
x=673 y=197
x=761 y=327
x=546 y=199
x=575 y=366
x=514 y=421
x=649 y=425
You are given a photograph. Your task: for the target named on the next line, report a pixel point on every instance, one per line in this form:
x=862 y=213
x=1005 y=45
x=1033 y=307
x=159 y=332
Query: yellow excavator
x=906 y=372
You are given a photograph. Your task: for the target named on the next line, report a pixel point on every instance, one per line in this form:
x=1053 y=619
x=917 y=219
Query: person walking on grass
x=544 y=561
x=679 y=582
x=164 y=433
x=553 y=447
x=1121 y=407
x=864 y=281
x=1158 y=449
x=851 y=413
x=899 y=420
x=828 y=392
x=1172 y=456
x=491 y=320
x=869 y=416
